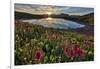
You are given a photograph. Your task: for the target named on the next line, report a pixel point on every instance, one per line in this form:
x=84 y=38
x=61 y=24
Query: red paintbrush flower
x=82 y=53
x=53 y=36
x=17 y=23
x=72 y=51
x=77 y=52
x=38 y=55
x=66 y=51
x=29 y=29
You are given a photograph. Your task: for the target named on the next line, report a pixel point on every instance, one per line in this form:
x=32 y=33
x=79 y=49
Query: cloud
x=42 y=9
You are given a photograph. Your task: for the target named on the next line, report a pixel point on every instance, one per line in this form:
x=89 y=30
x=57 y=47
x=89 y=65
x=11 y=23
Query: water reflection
x=55 y=23
x=49 y=19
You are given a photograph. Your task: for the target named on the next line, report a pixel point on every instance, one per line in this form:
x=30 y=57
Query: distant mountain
x=88 y=18
x=23 y=15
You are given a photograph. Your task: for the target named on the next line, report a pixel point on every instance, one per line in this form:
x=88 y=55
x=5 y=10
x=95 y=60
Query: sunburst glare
x=49 y=13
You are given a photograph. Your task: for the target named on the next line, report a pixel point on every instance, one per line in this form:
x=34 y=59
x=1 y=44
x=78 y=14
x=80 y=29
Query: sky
x=49 y=9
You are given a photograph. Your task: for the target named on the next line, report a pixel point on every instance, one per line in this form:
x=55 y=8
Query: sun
x=49 y=13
